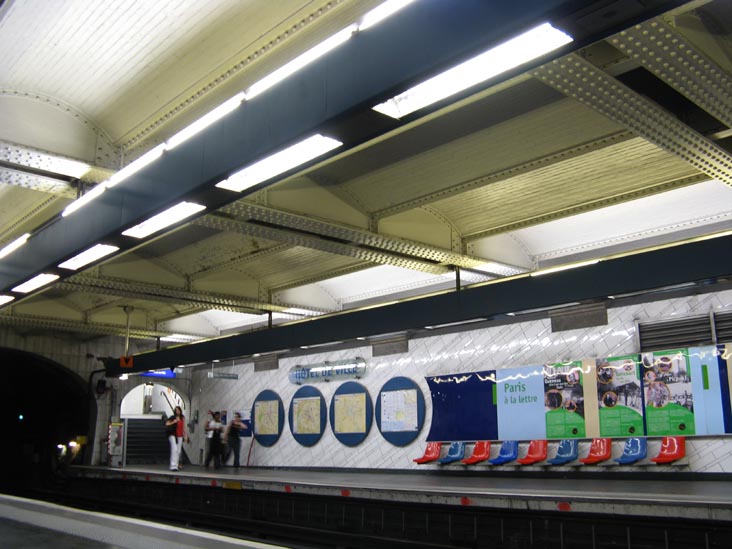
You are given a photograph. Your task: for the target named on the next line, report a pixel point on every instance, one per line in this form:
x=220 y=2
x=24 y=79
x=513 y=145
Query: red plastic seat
x=431 y=453
x=672 y=449
x=481 y=452
x=600 y=450
x=535 y=453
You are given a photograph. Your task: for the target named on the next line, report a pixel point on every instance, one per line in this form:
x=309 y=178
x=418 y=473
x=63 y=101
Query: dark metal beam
x=422 y=39
x=701 y=261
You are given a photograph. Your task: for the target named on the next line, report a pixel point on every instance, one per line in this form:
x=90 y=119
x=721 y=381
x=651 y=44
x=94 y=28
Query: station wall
x=507 y=346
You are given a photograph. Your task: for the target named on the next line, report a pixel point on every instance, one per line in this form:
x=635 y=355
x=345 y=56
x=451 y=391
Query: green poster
x=668 y=391
x=564 y=400
x=619 y=396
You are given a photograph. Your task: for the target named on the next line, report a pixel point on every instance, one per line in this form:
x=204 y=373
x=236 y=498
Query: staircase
x=147 y=442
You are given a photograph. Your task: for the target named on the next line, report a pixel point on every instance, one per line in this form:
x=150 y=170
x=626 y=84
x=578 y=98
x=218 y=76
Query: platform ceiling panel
x=619 y=172
x=551 y=130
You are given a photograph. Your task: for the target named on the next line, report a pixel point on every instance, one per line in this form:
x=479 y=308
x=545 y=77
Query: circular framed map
x=307 y=415
x=351 y=413
x=268 y=418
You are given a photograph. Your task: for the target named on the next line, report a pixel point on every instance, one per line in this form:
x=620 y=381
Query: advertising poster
x=706 y=383
x=463 y=406
x=619 y=397
x=520 y=394
x=564 y=401
x=668 y=392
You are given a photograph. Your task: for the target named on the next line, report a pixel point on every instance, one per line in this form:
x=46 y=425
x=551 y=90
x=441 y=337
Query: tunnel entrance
x=43 y=409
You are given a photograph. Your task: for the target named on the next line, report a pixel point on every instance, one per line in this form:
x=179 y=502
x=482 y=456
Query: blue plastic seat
x=635 y=449
x=566 y=452
x=456 y=452
x=507 y=453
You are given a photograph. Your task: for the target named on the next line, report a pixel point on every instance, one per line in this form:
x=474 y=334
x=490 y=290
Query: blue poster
x=463 y=407
x=520 y=394
x=705 y=384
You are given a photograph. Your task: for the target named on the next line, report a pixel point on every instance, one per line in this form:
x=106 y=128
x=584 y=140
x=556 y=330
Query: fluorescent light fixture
x=35 y=283
x=280 y=162
x=179 y=338
x=84 y=199
x=299 y=311
x=205 y=121
x=6 y=299
x=565 y=267
x=89 y=256
x=164 y=219
x=300 y=61
x=381 y=12
x=14 y=245
x=124 y=377
x=133 y=167
x=512 y=53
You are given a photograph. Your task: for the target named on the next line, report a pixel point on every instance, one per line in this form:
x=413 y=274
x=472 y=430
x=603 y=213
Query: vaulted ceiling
x=620 y=145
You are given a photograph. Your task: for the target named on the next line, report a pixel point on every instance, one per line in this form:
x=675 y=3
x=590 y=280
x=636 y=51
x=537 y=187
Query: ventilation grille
x=687 y=332
x=723 y=327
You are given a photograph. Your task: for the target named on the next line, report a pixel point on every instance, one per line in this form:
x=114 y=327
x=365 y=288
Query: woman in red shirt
x=175 y=427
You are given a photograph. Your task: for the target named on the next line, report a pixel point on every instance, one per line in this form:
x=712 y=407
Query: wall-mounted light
x=35 y=283
x=84 y=199
x=14 y=245
x=565 y=267
x=510 y=54
x=205 y=121
x=381 y=12
x=300 y=61
x=134 y=167
x=280 y=162
x=173 y=215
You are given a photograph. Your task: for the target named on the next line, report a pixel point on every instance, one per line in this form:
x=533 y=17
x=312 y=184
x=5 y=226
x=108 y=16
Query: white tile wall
x=493 y=348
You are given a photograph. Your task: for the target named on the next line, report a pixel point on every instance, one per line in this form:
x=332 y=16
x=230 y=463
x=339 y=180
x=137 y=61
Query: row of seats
x=635 y=449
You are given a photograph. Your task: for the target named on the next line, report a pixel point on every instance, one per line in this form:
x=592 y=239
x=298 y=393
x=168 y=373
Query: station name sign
x=328 y=371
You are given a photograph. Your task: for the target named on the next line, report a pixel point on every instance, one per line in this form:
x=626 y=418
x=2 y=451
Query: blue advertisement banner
x=463 y=407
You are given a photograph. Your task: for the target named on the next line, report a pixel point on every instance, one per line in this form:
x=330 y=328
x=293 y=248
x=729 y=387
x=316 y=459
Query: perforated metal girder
x=577 y=78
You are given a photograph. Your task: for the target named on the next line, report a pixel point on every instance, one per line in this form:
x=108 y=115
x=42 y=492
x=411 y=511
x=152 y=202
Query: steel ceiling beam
x=583 y=81
x=48 y=323
x=666 y=53
x=697 y=262
x=297 y=238
x=390 y=246
x=423 y=39
x=165 y=294
x=34 y=182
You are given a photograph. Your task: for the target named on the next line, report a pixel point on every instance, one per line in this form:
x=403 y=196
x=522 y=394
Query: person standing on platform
x=213 y=436
x=175 y=428
x=233 y=432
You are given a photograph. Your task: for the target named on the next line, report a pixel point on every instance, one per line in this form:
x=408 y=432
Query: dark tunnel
x=42 y=405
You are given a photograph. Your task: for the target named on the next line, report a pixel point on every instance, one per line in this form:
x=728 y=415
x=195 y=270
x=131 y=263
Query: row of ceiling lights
x=529 y=45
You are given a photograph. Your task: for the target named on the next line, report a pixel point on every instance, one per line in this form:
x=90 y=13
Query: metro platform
x=707 y=500
x=435 y=509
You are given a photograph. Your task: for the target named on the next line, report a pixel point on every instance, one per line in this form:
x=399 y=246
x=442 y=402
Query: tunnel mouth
x=45 y=412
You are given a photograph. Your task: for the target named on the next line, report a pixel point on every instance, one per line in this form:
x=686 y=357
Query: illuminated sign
x=159 y=373
x=328 y=371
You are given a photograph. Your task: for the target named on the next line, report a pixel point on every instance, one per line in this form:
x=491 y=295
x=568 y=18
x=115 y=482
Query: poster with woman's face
x=668 y=393
x=564 y=401
x=619 y=397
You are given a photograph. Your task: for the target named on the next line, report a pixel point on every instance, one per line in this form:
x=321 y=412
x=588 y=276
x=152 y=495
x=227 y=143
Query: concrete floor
x=16 y=535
